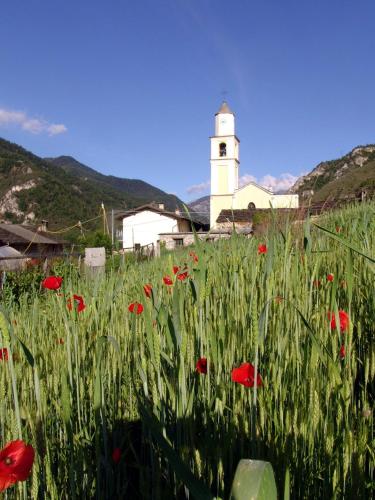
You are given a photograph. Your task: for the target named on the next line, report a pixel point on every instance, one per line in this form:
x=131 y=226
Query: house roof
x=224 y=108
x=154 y=208
x=16 y=233
x=6 y=251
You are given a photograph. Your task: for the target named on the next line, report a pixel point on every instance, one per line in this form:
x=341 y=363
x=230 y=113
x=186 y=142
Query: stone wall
x=171 y=241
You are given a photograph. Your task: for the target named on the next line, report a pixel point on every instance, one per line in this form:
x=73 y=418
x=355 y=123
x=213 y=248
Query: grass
x=129 y=381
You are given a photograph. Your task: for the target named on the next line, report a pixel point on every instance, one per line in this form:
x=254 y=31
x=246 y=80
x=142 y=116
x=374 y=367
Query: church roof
x=236 y=215
x=224 y=108
x=246 y=214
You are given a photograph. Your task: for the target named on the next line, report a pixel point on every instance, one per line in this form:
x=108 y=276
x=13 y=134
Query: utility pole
x=103 y=210
x=112 y=228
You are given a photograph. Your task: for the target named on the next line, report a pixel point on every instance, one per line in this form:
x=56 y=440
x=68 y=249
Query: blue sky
x=130 y=88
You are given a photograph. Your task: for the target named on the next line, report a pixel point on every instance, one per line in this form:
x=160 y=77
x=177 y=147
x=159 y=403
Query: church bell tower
x=224 y=163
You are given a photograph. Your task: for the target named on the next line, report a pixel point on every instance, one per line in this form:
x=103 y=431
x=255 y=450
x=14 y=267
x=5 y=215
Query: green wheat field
x=79 y=385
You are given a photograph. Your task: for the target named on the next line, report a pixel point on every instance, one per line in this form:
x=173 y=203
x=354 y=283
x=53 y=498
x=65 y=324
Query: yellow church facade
x=225 y=193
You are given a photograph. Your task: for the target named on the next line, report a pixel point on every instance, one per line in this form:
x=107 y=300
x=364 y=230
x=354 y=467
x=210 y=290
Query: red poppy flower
x=338 y=229
x=330 y=277
x=182 y=276
x=344 y=320
x=77 y=302
x=167 y=280
x=201 y=366
x=194 y=256
x=245 y=375
x=342 y=352
x=148 y=290
x=60 y=341
x=52 y=282
x=262 y=249
x=116 y=455
x=16 y=461
x=176 y=269
x=4 y=354
x=317 y=283
x=136 y=307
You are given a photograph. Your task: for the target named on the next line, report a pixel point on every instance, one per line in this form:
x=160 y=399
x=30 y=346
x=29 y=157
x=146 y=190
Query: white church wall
x=285 y=201
x=217 y=203
x=231 y=147
x=214 y=178
x=224 y=124
x=144 y=228
x=251 y=194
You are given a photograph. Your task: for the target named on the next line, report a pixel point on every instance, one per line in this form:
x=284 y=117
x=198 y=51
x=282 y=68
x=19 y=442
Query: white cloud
x=56 y=129
x=245 y=179
x=282 y=183
x=30 y=124
x=275 y=184
x=198 y=188
x=9 y=117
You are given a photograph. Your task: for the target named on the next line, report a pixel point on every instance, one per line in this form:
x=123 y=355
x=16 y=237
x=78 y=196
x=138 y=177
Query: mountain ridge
x=32 y=189
x=339 y=178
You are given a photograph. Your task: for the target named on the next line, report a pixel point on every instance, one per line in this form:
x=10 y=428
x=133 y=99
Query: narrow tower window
x=251 y=206
x=222 y=149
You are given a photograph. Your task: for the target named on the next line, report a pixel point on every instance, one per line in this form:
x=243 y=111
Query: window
x=222 y=149
x=251 y=206
x=179 y=242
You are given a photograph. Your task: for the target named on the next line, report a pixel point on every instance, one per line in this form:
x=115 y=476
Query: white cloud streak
x=198 y=188
x=275 y=184
x=30 y=124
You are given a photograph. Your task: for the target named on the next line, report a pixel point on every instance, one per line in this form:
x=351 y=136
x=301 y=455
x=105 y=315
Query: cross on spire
x=224 y=93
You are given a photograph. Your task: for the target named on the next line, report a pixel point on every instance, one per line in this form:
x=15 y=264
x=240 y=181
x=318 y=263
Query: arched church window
x=251 y=206
x=222 y=149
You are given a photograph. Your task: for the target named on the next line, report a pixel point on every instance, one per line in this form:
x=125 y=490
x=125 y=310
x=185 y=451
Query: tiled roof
x=246 y=215
x=192 y=216
x=239 y=215
x=15 y=233
x=224 y=108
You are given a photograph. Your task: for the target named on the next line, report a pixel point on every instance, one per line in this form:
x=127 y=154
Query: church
x=225 y=164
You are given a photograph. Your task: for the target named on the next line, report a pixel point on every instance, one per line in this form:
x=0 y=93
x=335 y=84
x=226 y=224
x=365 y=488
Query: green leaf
x=27 y=353
x=344 y=242
x=287 y=485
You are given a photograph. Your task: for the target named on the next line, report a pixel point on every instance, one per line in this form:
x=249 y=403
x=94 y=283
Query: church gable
x=256 y=186
x=252 y=196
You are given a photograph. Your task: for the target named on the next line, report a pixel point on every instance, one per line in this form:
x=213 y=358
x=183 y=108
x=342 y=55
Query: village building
x=142 y=226
x=30 y=240
x=225 y=163
x=21 y=244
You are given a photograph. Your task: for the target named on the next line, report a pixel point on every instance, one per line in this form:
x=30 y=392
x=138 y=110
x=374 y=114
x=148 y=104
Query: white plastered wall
x=224 y=124
x=285 y=200
x=144 y=228
x=251 y=193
